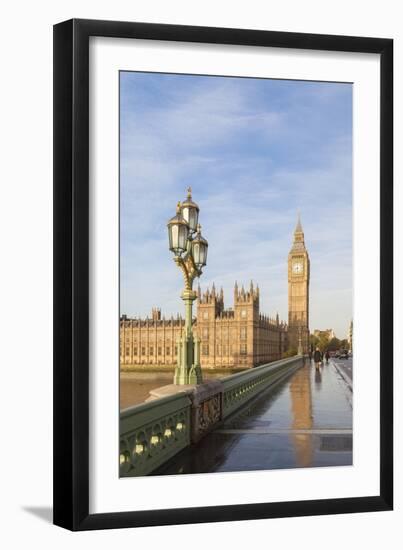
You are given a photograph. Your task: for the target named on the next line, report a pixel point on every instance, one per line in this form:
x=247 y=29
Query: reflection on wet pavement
x=306 y=421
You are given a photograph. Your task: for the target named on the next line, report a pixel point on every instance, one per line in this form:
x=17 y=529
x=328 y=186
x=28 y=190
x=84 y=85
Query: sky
x=255 y=152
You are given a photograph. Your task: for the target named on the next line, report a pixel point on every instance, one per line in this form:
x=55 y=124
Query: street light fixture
x=190 y=211
x=190 y=255
x=199 y=249
x=178 y=232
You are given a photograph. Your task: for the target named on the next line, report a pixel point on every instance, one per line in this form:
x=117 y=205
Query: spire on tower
x=298 y=236
x=298 y=228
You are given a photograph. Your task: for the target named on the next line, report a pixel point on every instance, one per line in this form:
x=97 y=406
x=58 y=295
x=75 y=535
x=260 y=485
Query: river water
x=136 y=386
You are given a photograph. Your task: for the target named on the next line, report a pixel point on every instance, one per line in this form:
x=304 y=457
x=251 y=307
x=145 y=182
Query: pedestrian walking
x=327 y=356
x=317 y=357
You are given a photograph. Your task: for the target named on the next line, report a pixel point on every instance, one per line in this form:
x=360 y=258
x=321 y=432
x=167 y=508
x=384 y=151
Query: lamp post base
x=188 y=370
x=183 y=377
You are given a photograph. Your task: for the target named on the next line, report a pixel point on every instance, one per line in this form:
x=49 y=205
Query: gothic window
x=159 y=351
x=143 y=351
x=176 y=350
x=151 y=350
x=205 y=332
x=243 y=313
x=243 y=333
x=135 y=350
x=205 y=314
x=205 y=350
x=168 y=351
x=243 y=349
x=127 y=351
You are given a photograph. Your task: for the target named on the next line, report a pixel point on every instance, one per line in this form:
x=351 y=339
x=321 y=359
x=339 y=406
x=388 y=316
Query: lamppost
x=190 y=255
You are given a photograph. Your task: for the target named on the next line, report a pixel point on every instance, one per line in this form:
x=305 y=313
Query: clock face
x=297 y=267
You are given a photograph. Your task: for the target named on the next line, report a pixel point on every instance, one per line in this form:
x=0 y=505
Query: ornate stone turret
x=298 y=291
x=156 y=314
x=250 y=296
x=211 y=298
x=246 y=303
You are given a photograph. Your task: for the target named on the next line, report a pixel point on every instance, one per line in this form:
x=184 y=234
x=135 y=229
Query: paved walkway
x=306 y=421
x=345 y=368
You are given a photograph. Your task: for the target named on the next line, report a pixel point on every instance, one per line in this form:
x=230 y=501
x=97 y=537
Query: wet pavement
x=346 y=367
x=306 y=421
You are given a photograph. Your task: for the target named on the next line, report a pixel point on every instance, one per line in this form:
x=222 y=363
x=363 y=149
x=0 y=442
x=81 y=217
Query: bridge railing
x=240 y=388
x=155 y=431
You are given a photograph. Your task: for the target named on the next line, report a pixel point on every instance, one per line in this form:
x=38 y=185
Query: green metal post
x=188 y=370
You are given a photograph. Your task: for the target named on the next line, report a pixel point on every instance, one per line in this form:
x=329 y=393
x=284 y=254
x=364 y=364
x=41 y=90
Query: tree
x=334 y=344
x=290 y=353
x=314 y=340
x=323 y=342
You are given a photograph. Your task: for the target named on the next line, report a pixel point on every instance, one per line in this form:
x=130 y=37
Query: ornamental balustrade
x=155 y=431
x=241 y=387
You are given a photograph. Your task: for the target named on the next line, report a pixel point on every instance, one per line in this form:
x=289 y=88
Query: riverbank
x=136 y=383
x=155 y=369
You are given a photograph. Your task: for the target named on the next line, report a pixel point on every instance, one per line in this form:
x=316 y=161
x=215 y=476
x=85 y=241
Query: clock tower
x=298 y=293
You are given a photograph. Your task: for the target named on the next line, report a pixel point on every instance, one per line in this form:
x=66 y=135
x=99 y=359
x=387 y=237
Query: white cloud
x=251 y=167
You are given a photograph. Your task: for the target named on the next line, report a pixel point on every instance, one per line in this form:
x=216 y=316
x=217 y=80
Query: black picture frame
x=72 y=285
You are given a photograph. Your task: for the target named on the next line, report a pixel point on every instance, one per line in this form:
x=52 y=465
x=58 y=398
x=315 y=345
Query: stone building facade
x=150 y=341
x=298 y=292
x=236 y=337
x=240 y=336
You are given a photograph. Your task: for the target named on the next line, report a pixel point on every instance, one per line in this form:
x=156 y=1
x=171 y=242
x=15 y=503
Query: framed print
x=223 y=320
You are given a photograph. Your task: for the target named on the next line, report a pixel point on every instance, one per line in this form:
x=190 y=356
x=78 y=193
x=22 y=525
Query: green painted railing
x=239 y=388
x=153 y=432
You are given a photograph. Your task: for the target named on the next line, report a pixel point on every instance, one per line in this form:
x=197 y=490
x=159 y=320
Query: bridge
x=282 y=415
